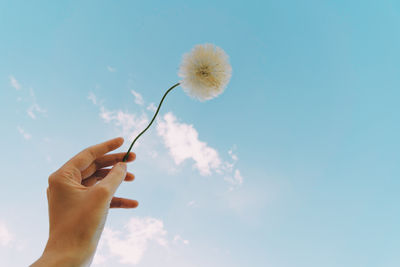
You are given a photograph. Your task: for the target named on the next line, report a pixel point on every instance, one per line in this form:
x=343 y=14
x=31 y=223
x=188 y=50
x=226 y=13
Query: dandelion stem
x=148 y=126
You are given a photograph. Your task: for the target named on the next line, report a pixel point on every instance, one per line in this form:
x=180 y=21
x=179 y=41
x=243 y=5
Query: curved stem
x=148 y=126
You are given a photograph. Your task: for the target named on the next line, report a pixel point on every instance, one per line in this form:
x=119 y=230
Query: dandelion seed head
x=205 y=72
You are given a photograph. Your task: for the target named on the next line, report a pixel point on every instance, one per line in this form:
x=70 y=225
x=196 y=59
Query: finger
x=112 y=159
x=117 y=202
x=100 y=174
x=114 y=178
x=105 y=161
x=83 y=159
x=94 y=179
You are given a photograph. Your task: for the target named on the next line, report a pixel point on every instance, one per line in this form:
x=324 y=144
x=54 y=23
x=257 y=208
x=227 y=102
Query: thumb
x=114 y=177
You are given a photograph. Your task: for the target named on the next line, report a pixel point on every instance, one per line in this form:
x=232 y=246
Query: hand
x=79 y=196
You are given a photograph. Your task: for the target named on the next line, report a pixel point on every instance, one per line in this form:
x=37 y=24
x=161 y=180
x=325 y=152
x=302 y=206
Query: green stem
x=148 y=126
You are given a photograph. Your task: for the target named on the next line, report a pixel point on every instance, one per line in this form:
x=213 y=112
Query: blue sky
x=305 y=135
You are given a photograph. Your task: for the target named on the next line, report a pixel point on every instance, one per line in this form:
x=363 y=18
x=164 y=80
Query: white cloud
x=24 y=134
x=152 y=107
x=99 y=259
x=95 y=101
x=190 y=203
x=34 y=108
x=92 y=97
x=180 y=139
x=138 y=98
x=236 y=180
x=228 y=166
x=238 y=177
x=183 y=143
x=129 y=124
x=14 y=83
x=231 y=153
x=153 y=154
x=234 y=177
x=111 y=69
x=178 y=238
x=130 y=245
x=6 y=237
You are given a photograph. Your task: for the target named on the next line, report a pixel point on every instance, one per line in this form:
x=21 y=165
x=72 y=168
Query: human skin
x=79 y=196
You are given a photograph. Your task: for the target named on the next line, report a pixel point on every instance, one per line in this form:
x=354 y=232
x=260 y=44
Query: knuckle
x=79 y=160
x=53 y=180
x=69 y=173
x=52 y=177
x=89 y=171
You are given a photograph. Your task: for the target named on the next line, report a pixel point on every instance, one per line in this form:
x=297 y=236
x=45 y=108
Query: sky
x=294 y=165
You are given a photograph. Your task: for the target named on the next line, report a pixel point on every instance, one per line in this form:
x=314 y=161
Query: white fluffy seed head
x=205 y=71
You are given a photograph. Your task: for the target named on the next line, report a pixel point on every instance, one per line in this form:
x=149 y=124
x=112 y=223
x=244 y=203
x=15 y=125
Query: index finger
x=83 y=159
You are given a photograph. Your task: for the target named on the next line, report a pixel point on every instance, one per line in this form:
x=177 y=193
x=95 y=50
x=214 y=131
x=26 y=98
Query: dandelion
x=205 y=73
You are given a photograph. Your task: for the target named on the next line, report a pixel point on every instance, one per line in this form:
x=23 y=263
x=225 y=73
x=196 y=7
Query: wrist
x=64 y=258
x=58 y=259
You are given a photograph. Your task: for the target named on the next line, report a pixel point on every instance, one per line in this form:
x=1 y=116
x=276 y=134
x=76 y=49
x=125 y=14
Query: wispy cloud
x=231 y=153
x=111 y=69
x=6 y=237
x=92 y=97
x=34 y=108
x=238 y=177
x=95 y=100
x=25 y=135
x=138 y=98
x=14 y=83
x=179 y=239
x=152 y=107
x=9 y=239
x=129 y=124
x=130 y=245
x=234 y=180
x=191 y=203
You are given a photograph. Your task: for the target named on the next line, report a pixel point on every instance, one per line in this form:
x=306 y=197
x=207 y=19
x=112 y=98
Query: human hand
x=78 y=205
